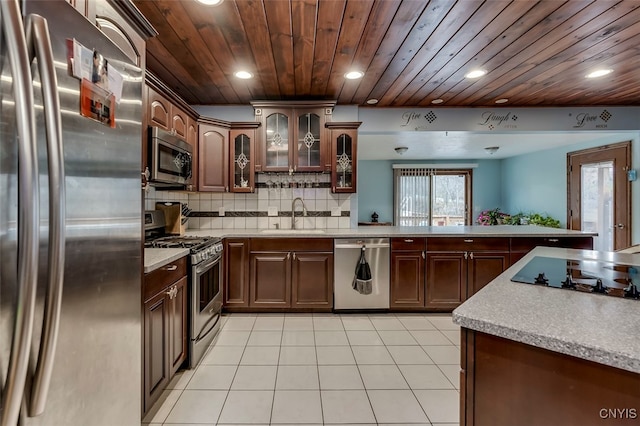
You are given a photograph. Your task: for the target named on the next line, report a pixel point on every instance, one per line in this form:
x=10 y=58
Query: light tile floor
x=321 y=369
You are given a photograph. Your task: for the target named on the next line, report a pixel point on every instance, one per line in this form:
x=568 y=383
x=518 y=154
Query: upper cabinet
x=213 y=156
x=242 y=139
x=293 y=136
x=343 y=154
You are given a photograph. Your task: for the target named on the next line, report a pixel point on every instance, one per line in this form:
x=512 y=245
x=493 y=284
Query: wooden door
x=602 y=171
x=308 y=150
x=242 y=160
x=236 y=284
x=270 y=280
x=344 y=160
x=276 y=140
x=446 y=280
x=213 y=159
x=179 y=122
x=483 y=268
x=178 y=309
x=407 y=279
x=159 y=110
x=156 y=347
x=312 y=282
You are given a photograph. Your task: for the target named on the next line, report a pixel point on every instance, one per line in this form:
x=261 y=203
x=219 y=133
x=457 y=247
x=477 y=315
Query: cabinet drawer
x=528 y=243
x=292 y=244
x=161 y=278
x=467 y=244
x=407 y=243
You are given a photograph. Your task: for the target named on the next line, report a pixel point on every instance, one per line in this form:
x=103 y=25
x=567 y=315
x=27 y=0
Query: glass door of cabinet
x=276 y=150
x=344 y=160
x=242 y=157
x=308 y=146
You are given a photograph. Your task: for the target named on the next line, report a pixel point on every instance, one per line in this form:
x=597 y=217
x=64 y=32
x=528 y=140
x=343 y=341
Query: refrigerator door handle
x=28 y=212
x=39 y=45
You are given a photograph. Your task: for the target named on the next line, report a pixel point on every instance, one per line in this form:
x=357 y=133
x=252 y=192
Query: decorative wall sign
x=376 y=120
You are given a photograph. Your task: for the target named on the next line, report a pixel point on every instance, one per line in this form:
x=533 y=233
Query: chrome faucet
x=293 y=211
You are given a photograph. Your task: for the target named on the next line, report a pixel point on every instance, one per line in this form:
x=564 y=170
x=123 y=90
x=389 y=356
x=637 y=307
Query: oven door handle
x=203 y=267
x=215 y=319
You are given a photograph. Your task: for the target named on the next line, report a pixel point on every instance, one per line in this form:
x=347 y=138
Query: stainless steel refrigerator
x=70 y=228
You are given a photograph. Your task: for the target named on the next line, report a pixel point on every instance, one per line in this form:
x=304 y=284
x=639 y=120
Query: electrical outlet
x=221 y=211
x=335 y=211
x=272 y=211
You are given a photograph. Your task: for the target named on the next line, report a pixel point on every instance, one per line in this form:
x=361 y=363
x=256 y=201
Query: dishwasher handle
x=365 y=245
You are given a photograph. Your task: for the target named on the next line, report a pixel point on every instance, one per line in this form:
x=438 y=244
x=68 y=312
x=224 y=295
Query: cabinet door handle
x=294 y=255
x=471 y=255
x=408 y=241
x=288 y=255
x=334 y=189
x=466 y=255
x=171 y=267
x=169 y=293
x=423 y=255
x=468 y=241
x=553 y=240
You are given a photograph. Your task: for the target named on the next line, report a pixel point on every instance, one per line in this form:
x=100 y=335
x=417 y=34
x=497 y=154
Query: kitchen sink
x=292 y=231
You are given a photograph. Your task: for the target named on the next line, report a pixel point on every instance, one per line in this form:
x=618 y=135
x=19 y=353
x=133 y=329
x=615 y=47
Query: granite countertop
x=396 y=231
x=155 y=258
x=588 y=326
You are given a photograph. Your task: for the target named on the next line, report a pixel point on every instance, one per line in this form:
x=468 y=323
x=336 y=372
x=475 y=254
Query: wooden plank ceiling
x=537 y=53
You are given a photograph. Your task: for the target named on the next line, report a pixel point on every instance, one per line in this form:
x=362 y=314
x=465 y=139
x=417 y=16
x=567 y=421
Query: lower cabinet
x=164 y=328
x=522 y=245
x=407 y=273
x=236 y=270
x=458 y=267
x=291 y=274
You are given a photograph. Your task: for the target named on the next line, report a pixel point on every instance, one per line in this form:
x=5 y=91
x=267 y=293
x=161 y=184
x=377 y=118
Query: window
x=436 y=197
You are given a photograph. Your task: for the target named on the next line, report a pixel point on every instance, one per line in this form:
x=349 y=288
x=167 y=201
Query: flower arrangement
x=496 y=217
x=492 y=217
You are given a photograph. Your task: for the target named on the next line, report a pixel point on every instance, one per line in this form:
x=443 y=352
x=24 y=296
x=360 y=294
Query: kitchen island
x=534 y=355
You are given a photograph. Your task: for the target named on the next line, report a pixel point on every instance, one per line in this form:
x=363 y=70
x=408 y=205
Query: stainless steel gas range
x=205 y=284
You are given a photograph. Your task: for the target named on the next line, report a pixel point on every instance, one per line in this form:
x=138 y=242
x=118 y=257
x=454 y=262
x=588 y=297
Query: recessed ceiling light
x=372 y=101
x=599 y=73
x=475 y=74
x=502 y=101
x=354 y=75
x=437 y=101
x=245 y=75
x=211 y=2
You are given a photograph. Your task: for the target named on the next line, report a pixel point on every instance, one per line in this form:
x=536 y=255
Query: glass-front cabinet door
x=308 y=150
x=344 y=143
x=276 y=155
x=242 y=160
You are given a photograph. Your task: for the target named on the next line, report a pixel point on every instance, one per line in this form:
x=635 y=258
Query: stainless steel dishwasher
x=347 y=254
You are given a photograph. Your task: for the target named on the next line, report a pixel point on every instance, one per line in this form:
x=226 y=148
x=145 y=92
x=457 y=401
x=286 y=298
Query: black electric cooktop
x=589 y=276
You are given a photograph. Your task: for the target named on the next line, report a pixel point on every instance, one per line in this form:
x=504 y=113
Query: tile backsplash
x=268 y=206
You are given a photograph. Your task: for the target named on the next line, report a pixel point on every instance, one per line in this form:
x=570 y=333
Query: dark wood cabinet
x=178 y=309
x=344 y=158
x=524 y=378
x=236 y=287
x=407 y=273
x=459 y=267
x=156 y=348
x=165 y=327
x=213 y=158
x=159 y=110
x=291 y=273
x=270 y=283
x=312 y=280
x=294 y=137
x=242 y=160
x=192 y=139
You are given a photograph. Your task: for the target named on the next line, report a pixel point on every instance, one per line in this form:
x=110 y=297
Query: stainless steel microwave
x=170 y=159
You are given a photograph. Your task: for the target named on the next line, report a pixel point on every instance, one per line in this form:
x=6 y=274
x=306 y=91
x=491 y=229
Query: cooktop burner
x=590 y=276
